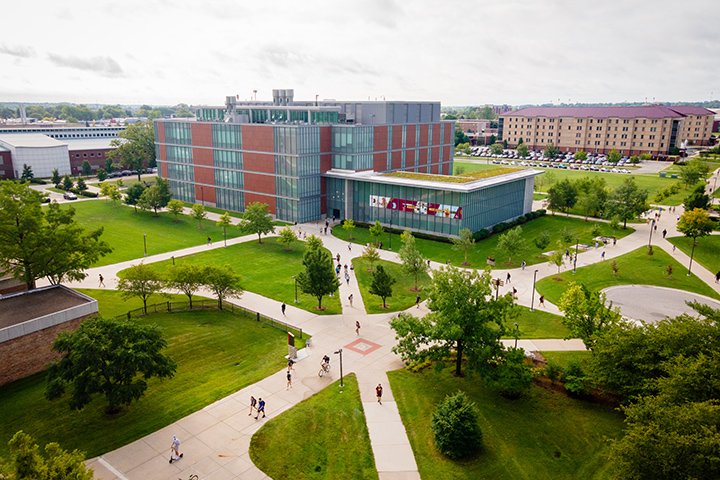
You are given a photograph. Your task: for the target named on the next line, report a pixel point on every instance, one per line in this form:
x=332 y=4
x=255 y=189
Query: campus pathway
x=216 y=439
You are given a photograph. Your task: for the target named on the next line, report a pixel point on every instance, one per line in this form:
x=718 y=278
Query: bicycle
x=324 y=369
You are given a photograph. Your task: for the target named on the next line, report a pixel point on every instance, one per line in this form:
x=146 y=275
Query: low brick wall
x=31 y=353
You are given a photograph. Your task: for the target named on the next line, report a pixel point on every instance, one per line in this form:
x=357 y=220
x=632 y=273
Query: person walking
x=417 y=301
x=542 y=300
x=664 y=232
x=378 y=393
x=349 y=247
x=102 y=280
x=209 y=241
x=260 y=408
x=514 y=294
x=614 y=241
x=507 y=279
x=357 y=327
x=338 y=257
x=602 y=255
x=253 y=404
x=289 y=382
x=350 y=299
x=717 y=277
x=523 y=265
x=282 y=308
x=175 y=454
x=347 y=278
x=291 y=364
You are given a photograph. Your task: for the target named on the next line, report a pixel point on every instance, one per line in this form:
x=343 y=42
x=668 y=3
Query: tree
x=376 y=230
x=198 y=213
x=551 y=151
x=542 y=240
x=562 y=196
x=224 y=222
x=37 y=242
x=695 y=224
x=151 y=199
x=557 y=257
x=318 y=279
x=523 y=150
x=109 y=167
x=371 y=255
x=313 y=242
x=186 y=278
x=140 y=281
x=286 y=237
x=382 y=284
x=512 y=377
x=492 y=139
x=133 y=194
x=697 y=199
x=256 y=219
x=510 y=242
x=693 y=172
x=581 y=155
x=56 y=177
x=593 y=196
x=349 y=227
x=114 y=358
x=614 y=156
x=586 y=313
x=464 y=320
x=81 y=185
x=460 y=137
x=496 y=148
x=411 y=258
x=101 y=174
x=86 y=168
x=135 y=149
x=67 y=184
x=627 y=201
x=176 y=207
x=455 y=427
x=27 y=173
x=55 y=464
x=464 y=243
x=223 y=282
x=163 y=187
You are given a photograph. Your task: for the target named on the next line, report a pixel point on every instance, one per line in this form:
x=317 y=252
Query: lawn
x=124 y=230
x=545 y=435
x=707 y=250
x=443 y=252
x=634 y=268
x=403 y=294
x=217 y=353
x=109 y=306
x=537 y=324
x=323 y=437
x=566 y=358
x=265 y=268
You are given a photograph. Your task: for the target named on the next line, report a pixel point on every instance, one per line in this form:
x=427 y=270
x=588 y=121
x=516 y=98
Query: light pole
x=339 y=352
x=652 y=225
x=692 y=254
x=577 y=246
x=295 y=278
x=145 y=243
x=516 y=334
x=532 y=299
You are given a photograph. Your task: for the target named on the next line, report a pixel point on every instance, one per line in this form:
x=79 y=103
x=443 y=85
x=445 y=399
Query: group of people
x=257 y=404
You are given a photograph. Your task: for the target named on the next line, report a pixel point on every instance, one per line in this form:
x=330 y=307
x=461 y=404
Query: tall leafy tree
x=318 y=279
x=199 y=213
x=523 y=150
x=562 y=196
x=586 y=313
x=141 y=281
x=176 y=207
x=223 y=282
x=186 y=278
x=693 y=172
x=151 y=199
x=86 y=168
x=56 y=179
x=695 y=224
x=464 y=243
x=371 y=255
x=376 y=230
x=581 y=155
x=256 y=219
x=464 y=320
x=551 y=151
x=412 y=260
x=593 y=196
x=37 y=242
x=67 y=183
x=114 y=358
x=53 y=463
x=627 y=201
x=510 y=242
x=135 y=149
x=382 y=284
x=133 y=194
x=614 y=156
x=286 y=237
x=81 y=185
x=224 y=222
x=349 y=227
x=697 y=199
x=496 y=148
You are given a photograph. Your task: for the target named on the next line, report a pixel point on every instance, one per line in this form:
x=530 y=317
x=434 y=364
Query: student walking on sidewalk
x=378 y=393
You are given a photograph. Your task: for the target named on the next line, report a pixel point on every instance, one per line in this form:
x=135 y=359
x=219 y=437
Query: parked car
x=69 y=196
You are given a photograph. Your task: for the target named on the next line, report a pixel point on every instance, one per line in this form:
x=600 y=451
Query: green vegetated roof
x=464 y=178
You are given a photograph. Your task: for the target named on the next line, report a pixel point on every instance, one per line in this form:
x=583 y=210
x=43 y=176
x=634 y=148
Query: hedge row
x=484 y=233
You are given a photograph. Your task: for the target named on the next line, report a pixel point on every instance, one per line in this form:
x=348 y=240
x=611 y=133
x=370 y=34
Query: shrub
x=500 y=227
x=512 y=377
x=455 y=427
x=615 y=222
x=541 y=212
x=553 y=371
x=669 y=270
x=481 y=234
x=596 y=230
x=85 y=193
x=566 y=235
x=542 y=240
x=38 y=181
x=575 y=380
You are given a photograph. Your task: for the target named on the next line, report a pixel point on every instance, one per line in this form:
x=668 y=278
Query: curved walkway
x=216 y=439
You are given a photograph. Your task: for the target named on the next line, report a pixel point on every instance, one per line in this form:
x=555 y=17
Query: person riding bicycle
x=325 y=361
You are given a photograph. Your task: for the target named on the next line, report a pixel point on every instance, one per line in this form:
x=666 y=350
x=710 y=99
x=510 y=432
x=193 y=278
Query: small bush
x=38 y=181
x=542 y=240
x=615 y=222
x=575 y=380
x=669 y=270
x=85 y=193
x=540 y=212
x=500 y=227
x=455 y=427
x=596 y=230
x=553 y=371
x=512 y=377
x=481 y=234
x=566 y=235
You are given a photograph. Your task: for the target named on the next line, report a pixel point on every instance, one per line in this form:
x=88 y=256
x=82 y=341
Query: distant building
x=653 y=129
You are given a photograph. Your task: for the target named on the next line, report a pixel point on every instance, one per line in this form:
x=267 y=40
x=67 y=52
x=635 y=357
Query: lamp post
x=577 y=246
x=652 y=226
x=145 y=243
x=339 y=352
x=516 y=333
x=294 y=277
x=532 y=299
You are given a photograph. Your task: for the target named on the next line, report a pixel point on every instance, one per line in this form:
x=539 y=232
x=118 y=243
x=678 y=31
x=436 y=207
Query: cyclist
x=324 y=365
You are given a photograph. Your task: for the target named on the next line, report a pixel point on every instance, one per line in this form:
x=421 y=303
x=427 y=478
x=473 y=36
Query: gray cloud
x=105 y=66
x=293 y=60
x=384 y=13
x=17 y=51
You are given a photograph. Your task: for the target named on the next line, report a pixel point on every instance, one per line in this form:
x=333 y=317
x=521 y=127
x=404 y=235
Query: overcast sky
x=457 y=52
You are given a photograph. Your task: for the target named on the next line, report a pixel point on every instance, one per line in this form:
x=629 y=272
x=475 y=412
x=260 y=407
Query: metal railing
x=205 y=304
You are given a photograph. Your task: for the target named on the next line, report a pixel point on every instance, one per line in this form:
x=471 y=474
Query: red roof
x=691 y=110
x=650 y=111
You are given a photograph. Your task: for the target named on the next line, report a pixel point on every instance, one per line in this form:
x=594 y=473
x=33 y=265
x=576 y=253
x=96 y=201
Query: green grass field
x=566 y=358
x=403 y=294
x=110 y=305
x=335 y=441
x=545 y=435
x=707 y=250
x=217 y=353
x=634 y=268
x=442 y=252
x=124 y=230
x=265 y=268
x=537 y=324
